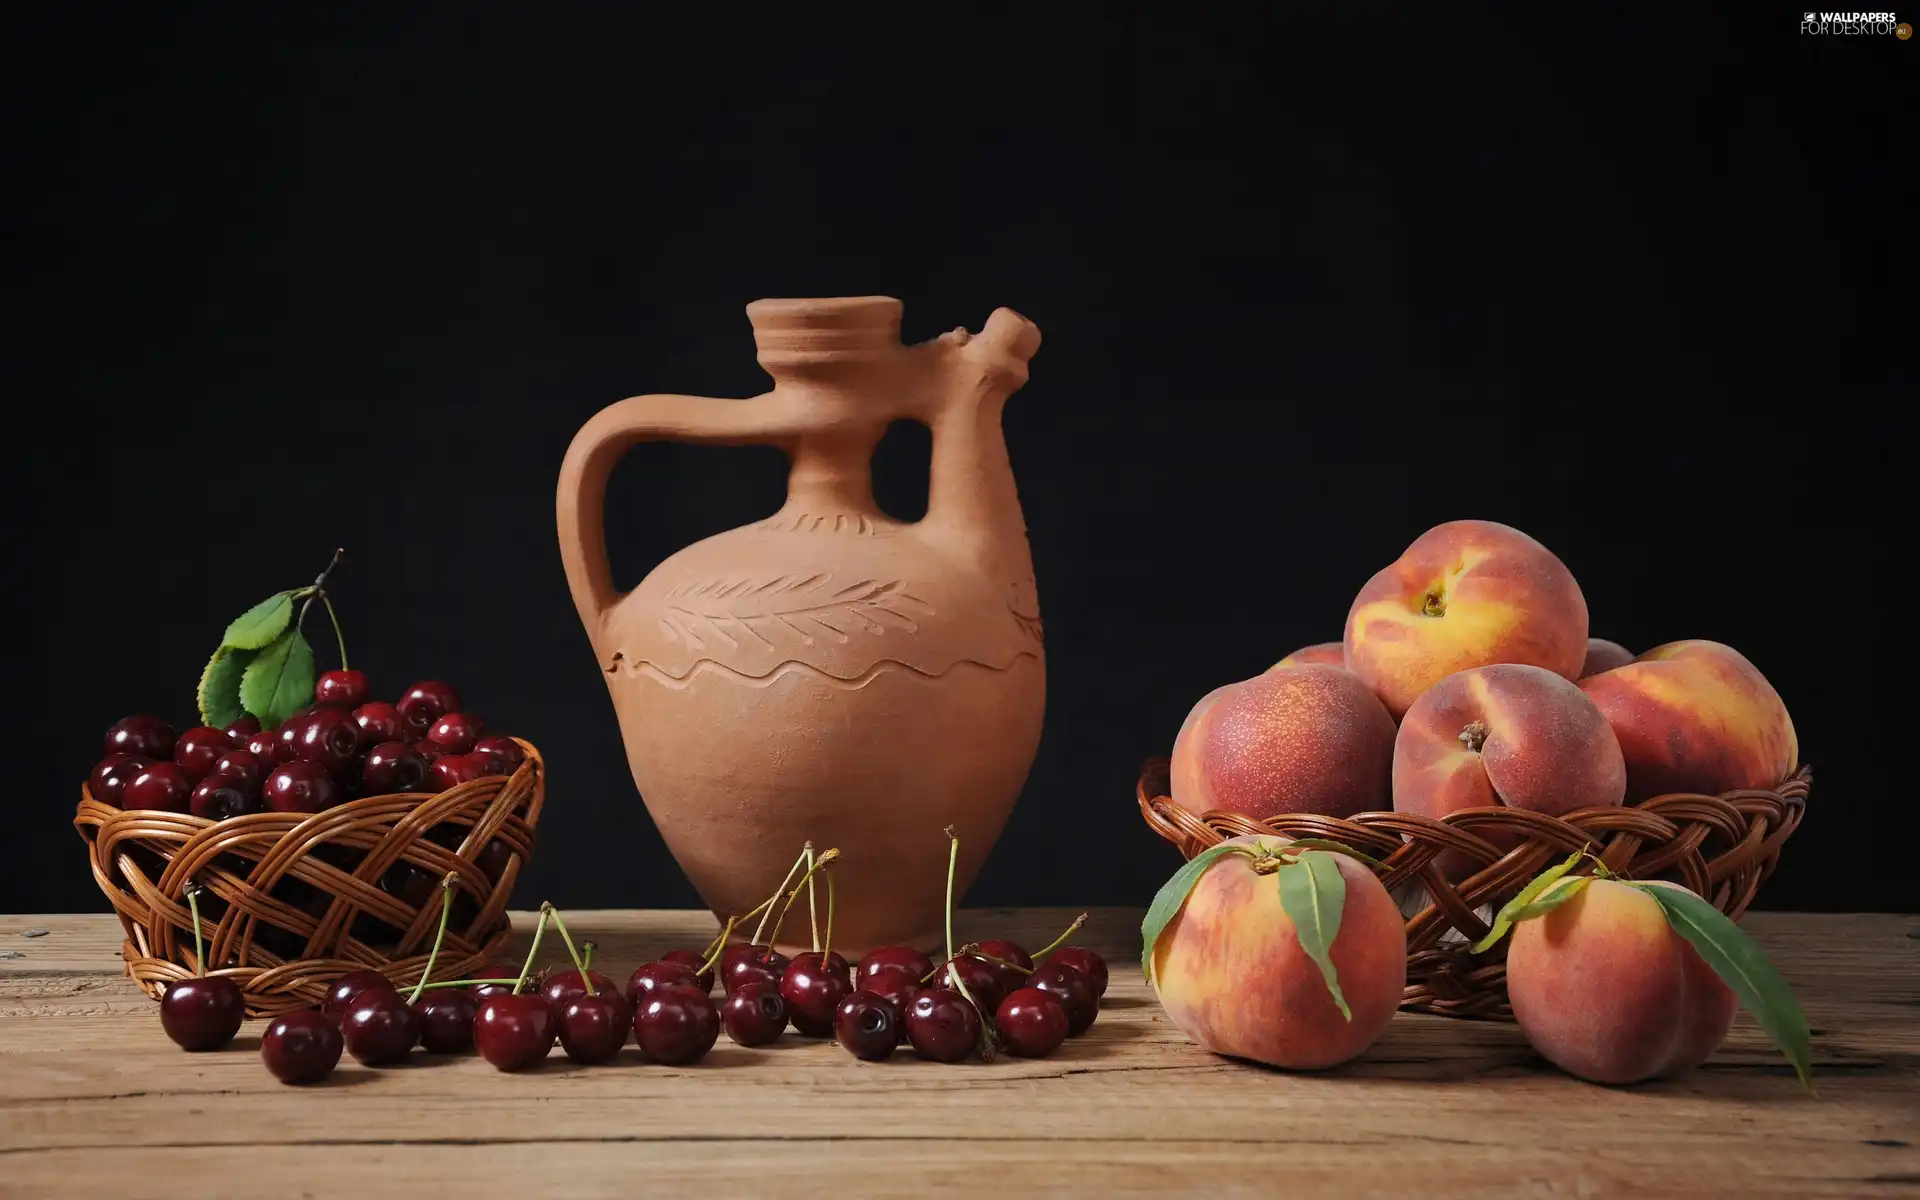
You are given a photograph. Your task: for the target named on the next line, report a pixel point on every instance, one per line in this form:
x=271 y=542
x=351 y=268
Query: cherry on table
x=161 y=786
x=329 y=739
x=494 y=970
x=202 y=1013
x=392 y=767
x=301 y=1046
x=985 y=982
x=109 y=778
x=514 y=1032
x=300 y=787
x=198 y=748
x=942 y=1026
x=342 y=992
x=343 y=688
x=379 y=1027
x=1073 y=990
x=457 y=731
x=1086 y=962
x=867 y=1025
x=754 y=1014
x=1031 y=1023
x=813 y=990
x=647 y=977
x=446 y=1020
x=452 y=770
x=888 y=958
x=751 y=964
x=216 y=798
x=593 y=1028
x=426 y=702
x=692 y=962
x=149 y=737
x=676 y=1024
x=503 y=753
x=564 y=987
x=379 y=722
x=898 y=985
x=1011 y=953
x=240 y=731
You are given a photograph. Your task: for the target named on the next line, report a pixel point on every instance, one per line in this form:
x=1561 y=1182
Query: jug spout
x=973 y=508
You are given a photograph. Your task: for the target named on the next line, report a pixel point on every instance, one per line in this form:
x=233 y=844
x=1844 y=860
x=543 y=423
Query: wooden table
x=96 y=1101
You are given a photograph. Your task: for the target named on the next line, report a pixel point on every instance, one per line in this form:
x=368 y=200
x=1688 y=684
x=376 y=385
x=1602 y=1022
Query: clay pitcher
x=828 y=673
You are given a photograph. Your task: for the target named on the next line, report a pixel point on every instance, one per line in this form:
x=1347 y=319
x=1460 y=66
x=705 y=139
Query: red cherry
x=452 y=770
x=1012 y=954
x=1073 y=990
x=692 y=962
x=202 y=1013
x=676 y=1024
x=197 y=748
x=1086 y=962
x=648 y=977
x=216 y=798
x=812 y=990
x=741 y=963
x=347 y=689
x=887 y=958
x=433 y=752
x=161 y=786
x=393 y=767
x=269 y=748
x=149 y=737
x=456 y=731
x=111 y=775
x=300 y=787
x=564 y=987
x=514 y=1032
x=446 y=1020
x=330 y=739
x=379 y=722
x=867 y=1025
x=301 y=1046
x=241 y=766
x=379 y=1028
x=896 y=984
x=942 y=1026
x=243 y=729
x=754 y=1014
x=425 y=703
x=593 y=1028
x=289 y=733
x=503 y=752
x=1031 y=1023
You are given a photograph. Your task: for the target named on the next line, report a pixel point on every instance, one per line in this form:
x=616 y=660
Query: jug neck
x=831 y=473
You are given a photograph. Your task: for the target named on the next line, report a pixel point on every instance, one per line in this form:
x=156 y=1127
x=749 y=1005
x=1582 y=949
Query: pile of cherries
x=340 y=748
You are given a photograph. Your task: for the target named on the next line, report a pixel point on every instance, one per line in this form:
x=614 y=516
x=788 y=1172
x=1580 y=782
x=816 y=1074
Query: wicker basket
x=1722 y=847
x=292 y=901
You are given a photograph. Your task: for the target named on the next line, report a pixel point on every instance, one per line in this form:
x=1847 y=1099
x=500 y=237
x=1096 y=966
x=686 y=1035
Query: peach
x=1327 y=654
x=1465 y=594
x=1606 y=990
x=1294 y=739
x=1231 y=974
x=1508 y=735
x=1695 y=717
x=1603 y=655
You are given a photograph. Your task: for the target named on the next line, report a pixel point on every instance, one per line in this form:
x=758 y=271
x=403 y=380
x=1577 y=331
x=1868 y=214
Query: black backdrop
x=289 y=281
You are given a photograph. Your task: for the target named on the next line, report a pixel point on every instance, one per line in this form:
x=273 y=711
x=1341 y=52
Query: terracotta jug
x=828 y=673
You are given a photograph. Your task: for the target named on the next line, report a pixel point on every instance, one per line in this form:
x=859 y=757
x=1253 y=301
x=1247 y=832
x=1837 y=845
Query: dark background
x=289 y=281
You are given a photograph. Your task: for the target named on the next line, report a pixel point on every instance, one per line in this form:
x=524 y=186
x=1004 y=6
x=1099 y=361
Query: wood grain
x=95 y=1100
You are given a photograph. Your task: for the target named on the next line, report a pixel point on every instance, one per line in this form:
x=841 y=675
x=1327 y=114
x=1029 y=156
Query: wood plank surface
x=95 y=1101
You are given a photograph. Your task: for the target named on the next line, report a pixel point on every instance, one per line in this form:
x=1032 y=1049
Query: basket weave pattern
x=292 y=901
x=1722 y=847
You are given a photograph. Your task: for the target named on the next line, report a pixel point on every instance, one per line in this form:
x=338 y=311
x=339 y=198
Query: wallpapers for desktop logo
x=1854 y=24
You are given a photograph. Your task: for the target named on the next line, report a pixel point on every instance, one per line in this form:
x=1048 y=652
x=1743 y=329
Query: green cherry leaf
x=1740 y=964
x=279 y=682
x=219 y=690
x=259 y=625
x=1172 y=894
x=1312 y=893
x=1508 y=914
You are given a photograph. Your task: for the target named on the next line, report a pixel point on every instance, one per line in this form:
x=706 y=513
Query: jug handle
x=599 y=446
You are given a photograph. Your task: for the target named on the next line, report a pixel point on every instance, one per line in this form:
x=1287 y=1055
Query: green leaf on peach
x=219 y=691
x=1172 y=894
x=1313 y=893
x=256 y=628
x=279 y=682
x=1738 y=961
x=1504 y=919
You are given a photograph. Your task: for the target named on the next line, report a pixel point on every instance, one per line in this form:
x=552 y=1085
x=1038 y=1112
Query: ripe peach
x=1230 y=973
x=1294 y=739
x=1509 y=735
x=1606 y=990
x=1603 y=655
x=1695 y=717
x=1329 y=654
x=1465 y=594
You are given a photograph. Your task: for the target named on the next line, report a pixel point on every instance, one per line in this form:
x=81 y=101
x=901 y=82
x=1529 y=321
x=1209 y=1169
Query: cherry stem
x=959 y=984
x=767 y=909
x=826 y=946
x=446 y=906
x=832 y=855
x=533 y=951
x=724 y=934
x=319 y=589
x=340 y=639
x=1068 y=932
x=199 y=947
x=579 y=963
x=718 y=948
x=813 y=913
x=454 y=983
x=586 y=955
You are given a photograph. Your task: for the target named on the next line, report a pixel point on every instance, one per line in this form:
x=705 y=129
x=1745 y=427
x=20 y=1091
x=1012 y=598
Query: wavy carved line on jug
x=787 y=604
x=854 y=523
x=640 y=667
